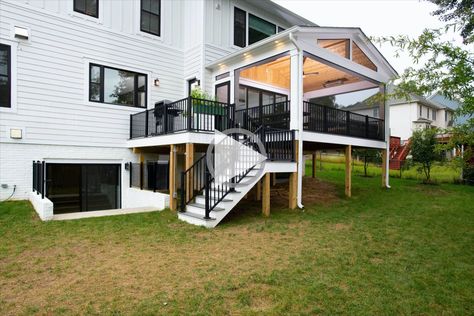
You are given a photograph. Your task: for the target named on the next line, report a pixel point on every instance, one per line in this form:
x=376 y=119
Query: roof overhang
x=305 y=37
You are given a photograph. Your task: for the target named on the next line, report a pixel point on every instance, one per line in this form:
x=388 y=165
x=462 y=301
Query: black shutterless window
x=117 y=86
x=240 y=17
x=87 y=7
x=150 y=16
x=5 y=76
x=259 y=29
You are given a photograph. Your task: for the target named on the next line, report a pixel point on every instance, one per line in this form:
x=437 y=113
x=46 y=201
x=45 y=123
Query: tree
x=423 y=150
x=368 y=156
x=461 y=11
x=442 y=66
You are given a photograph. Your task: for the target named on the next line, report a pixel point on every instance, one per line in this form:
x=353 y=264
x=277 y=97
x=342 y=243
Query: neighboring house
x=77 y=78
x=449 y=105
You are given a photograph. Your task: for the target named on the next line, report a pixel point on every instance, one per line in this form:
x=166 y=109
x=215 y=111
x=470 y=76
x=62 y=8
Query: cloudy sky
x=375 y=17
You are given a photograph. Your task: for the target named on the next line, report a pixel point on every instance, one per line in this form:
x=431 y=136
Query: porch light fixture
x=156 y=82
x=334 y=83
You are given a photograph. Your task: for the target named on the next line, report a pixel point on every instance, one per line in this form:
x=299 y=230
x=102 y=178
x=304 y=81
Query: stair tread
x=191 y=214
x=199 y=205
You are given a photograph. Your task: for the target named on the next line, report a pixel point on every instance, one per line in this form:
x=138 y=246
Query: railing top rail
x=341 y=110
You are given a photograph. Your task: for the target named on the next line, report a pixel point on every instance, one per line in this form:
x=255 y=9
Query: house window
x=117 y=86
x=5 y=76
x=376 y=112
x=223 y=92
x=255 y=30
x=259 y=29
x=240 y=22
x=427 y=113
x=421 y=110
x=434 y=115
x=150 y=16
x=87 y=7
x=445 y=116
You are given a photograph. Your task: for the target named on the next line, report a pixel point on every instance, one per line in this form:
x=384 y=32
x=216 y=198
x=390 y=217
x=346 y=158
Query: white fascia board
x=342 y=140
x=342 y=62
x=176 y=138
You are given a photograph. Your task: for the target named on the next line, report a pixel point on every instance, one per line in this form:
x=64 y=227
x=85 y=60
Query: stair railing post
x=146 y=123
x=189 y=109
x=130 y=175
x=141 y=175
x=207 y=195
x=43 y=178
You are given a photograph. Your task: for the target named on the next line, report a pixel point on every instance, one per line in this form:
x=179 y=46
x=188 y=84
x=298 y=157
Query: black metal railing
x=39 y=173
x=193 y=181
x=279 y=146
x=324 y=119
x=189 y=114
x=152 y=176
x=274 y=115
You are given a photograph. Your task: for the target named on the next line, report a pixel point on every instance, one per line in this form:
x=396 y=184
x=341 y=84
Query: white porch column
x=386 y=117
x=296 y=113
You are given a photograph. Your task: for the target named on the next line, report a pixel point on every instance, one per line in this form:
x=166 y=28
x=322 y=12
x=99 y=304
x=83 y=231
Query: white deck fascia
x=343 y=140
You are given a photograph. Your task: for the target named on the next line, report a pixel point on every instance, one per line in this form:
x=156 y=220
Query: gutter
x=299 y=191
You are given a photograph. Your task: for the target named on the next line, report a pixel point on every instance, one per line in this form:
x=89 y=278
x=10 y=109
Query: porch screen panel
x=259 y=29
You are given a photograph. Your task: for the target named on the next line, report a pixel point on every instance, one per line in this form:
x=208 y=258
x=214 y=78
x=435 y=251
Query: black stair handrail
x=193 y=181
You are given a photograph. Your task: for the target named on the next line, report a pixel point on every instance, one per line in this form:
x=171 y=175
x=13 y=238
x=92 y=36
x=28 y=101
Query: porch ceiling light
x=334 y=83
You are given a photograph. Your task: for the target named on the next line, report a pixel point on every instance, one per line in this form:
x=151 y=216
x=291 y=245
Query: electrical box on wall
x=16 y=133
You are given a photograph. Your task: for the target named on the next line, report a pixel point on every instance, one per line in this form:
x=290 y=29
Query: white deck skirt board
x=343 y=140
x=122 y=211
x=176 y=138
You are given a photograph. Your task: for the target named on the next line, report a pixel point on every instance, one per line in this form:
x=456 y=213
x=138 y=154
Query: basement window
x=87 y=7
x=116 y=86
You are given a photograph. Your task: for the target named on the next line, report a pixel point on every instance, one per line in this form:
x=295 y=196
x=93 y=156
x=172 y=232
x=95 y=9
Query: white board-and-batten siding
x=52 y=70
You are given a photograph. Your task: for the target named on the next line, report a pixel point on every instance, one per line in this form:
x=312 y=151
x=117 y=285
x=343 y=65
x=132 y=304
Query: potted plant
x=200 y=106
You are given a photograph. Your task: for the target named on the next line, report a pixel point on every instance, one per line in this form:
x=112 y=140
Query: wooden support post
x=172 y=180
x=348 y=171
x=293 y=189
x=189 y=160
x=313 y=165
x=258 y=191
x=384 y=168
x=266 y=195
x=274 y=178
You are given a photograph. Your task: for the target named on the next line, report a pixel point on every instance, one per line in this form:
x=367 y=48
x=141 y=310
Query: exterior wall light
x=16 y=133
x=21 y=33
x=156 y=82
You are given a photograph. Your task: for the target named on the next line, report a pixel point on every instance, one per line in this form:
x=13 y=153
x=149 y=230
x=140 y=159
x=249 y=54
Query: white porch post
x=386 y=117
x=296 y=113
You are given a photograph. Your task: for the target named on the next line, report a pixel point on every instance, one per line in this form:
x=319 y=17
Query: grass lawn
x=408 y=250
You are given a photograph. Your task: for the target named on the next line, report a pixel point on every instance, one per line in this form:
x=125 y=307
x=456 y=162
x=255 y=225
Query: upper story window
x=434 y=115
x=87 y=7
x=421 y=110
x=255 y=30
x=117 y=86
x=259 y=29
x=5 y=76
x=376 y=112
x=427 y=113
x=150 y=16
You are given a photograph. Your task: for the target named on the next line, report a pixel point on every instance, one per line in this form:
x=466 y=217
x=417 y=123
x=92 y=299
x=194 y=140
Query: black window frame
x=258 y=18
x=85 y=5
x=260 y=95
x=152 y=13
x=190 y=84
x=235 y=30
x=8 y=49
x=222 y=84
x=102 y=86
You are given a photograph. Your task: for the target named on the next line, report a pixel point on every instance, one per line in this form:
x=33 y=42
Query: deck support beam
x=348 y=182
x=188 y=163
x=313 y=165
x=172 y=179
x=266 y=195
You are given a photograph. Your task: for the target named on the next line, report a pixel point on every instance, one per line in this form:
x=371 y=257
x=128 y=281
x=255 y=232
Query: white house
x=77 y=78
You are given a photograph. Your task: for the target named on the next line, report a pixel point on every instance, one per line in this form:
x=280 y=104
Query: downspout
x=300 y=123
x=387 y=136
